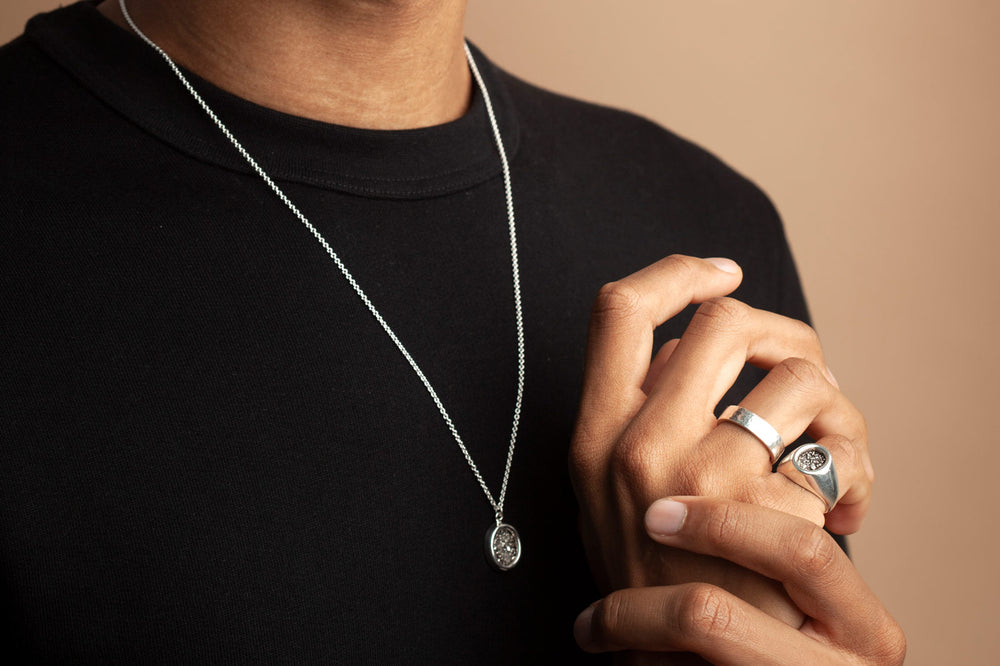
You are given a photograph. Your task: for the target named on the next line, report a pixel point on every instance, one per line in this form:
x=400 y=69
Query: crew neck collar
x=399 y=164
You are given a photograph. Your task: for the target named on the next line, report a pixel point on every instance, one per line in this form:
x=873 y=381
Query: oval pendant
x=503 y=546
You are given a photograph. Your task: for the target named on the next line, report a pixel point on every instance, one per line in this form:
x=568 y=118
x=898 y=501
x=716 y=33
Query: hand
x=845 y=623
x=647 y=430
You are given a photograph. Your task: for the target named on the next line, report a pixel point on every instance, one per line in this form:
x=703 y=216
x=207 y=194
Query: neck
x=374 y=64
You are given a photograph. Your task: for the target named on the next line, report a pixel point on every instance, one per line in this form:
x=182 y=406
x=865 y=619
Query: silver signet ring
x=811 y=466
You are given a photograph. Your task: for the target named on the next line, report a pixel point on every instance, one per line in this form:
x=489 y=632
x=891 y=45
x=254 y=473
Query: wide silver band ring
x=757 y=427
x=811 y=466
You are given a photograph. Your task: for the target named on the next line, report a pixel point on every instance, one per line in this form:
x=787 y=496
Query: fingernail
x=582 y=630
x=868 y=468
x=723 y=264
x=665 y=517
x=833 y=380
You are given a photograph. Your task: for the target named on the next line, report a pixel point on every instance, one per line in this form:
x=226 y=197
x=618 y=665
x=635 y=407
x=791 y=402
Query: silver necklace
x=503 y=544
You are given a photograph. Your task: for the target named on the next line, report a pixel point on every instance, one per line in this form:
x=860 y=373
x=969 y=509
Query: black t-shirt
x=213 y=453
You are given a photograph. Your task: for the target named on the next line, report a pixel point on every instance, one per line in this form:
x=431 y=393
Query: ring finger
x=795 y=398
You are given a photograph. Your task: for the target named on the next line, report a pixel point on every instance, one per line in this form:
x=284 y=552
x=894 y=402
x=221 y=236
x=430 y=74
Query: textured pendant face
x=503 y=546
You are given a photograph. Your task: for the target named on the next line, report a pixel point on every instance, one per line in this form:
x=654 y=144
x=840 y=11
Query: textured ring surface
x=757 y=427
x=811 y=466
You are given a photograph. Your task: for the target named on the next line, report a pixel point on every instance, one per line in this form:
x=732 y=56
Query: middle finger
x=723 y=336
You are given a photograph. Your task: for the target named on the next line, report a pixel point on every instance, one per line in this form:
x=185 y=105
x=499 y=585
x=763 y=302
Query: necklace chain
x=497 y=503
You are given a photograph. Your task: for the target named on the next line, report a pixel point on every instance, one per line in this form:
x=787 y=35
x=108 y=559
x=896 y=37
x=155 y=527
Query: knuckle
x=890 y=644
x=719 y=315
x=844 y=452
x=804 y=376
x=587 y=439
x=860 y=427
x=706 y=613
x=583 y=461
x=808 y=335
x=635 y=456
x=616 y=302
x=860 y=439
x=610 y=616
x=685 y=264
x=725 y=525
x=814 y=553
x=855 y=425
x=587 y=452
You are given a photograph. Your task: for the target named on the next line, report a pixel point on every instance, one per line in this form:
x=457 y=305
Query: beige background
x=875 y=127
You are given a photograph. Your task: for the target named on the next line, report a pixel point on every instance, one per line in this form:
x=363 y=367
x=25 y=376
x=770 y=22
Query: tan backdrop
x=875 y=126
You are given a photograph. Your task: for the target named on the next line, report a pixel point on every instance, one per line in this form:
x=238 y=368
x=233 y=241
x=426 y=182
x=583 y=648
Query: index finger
x=620 y=338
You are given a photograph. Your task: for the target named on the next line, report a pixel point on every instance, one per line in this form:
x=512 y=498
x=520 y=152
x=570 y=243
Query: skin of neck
x=372 y=64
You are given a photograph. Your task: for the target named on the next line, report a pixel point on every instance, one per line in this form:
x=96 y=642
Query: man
x=219 y=454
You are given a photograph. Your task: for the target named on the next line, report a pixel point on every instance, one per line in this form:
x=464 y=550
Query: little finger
x=658 y=364
x=723 y=336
